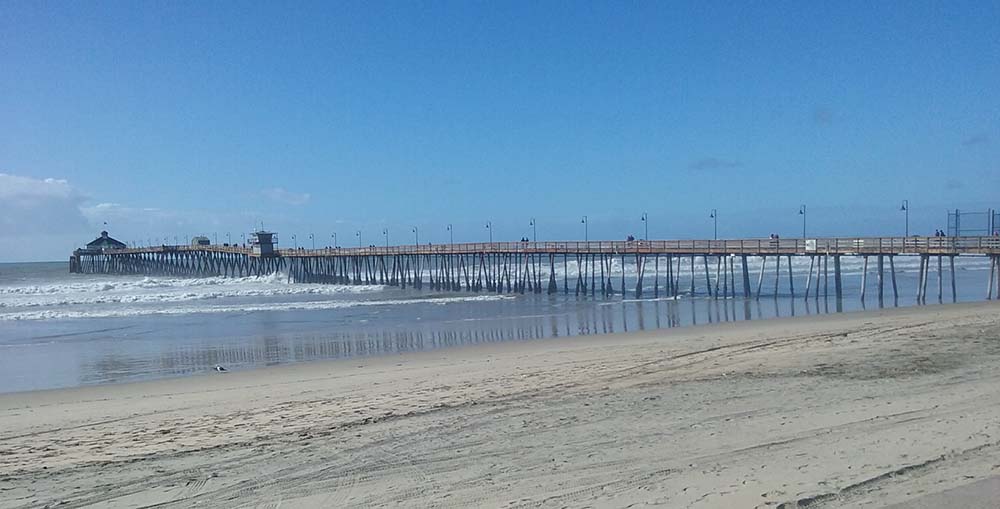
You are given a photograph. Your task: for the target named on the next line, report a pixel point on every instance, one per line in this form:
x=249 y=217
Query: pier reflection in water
x=276 y=339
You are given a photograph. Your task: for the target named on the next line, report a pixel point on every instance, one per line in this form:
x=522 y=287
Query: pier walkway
x=541 y=266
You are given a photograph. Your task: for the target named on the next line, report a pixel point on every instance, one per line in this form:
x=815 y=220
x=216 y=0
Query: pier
x=715 y=268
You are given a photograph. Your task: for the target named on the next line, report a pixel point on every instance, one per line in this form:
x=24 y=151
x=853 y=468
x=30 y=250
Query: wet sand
x=854 y=410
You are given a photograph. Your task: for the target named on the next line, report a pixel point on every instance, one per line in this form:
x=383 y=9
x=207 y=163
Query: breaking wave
x=242 y=308
x=165 y=290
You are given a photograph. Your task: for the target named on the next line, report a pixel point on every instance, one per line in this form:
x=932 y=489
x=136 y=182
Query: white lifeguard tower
x=263 y=243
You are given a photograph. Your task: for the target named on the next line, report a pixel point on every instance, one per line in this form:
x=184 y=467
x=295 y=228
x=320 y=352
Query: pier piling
x=520 y=267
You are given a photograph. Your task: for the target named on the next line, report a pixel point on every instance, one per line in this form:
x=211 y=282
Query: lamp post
x=334 y=236
x=645 y=224
x=905 y=207
x=534 y=230
x=295 y=241
x=715 y=223
x=385 y=231
x=359 y=238
x=228 y=240
x=215 y=238
x=802 y=212
x=451 y=233
x=243 y=238
x=313 y=239
x=586 y=234
x=489 y=226
x=416 y=236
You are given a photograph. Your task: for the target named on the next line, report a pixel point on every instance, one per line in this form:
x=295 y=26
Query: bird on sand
x=220 y=369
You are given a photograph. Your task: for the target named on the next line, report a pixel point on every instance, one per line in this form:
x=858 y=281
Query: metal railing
x=797 y=246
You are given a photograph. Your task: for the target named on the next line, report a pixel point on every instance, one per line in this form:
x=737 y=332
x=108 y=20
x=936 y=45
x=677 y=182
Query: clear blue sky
x=179 y=118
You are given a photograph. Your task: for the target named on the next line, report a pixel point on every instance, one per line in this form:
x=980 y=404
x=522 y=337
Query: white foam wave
x=166 y=290
x=249 y=308
x=145 y=283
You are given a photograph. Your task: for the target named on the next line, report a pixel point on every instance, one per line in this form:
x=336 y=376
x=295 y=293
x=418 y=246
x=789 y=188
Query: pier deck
x=946 y=246
x=521 y=266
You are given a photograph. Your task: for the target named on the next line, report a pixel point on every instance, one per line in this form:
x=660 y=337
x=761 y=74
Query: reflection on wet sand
x=272 y=347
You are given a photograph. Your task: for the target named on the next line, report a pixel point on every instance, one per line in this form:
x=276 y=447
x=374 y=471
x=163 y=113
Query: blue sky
x=174 y=119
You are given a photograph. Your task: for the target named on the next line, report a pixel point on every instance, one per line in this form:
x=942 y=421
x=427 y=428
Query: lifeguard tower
x=263 y=243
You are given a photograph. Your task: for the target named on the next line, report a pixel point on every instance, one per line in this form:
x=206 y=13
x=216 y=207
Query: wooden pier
x=716 y=268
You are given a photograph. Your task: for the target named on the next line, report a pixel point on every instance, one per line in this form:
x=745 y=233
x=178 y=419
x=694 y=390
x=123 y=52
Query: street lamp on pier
x=802 y=212
x=586 y=234
x=228 y=240
x=715 y=223
x=385 y=231
x=295 y=241
x=534 y=230
x=313 y=239
x=451 y=233
x=334 y=240
x=905 y=207
x=416 y=236
x=489 y=226
x=359 y=238
x=645 y=224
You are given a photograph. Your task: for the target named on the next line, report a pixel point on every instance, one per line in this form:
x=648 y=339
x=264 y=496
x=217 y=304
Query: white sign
x=810 y=244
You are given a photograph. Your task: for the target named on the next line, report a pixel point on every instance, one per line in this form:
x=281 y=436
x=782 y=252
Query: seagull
x=220 y=369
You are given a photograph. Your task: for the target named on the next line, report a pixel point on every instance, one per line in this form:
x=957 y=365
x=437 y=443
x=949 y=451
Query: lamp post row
x=714 y=215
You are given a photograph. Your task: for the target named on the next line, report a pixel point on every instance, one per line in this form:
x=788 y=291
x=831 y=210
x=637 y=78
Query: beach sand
x=854 y=410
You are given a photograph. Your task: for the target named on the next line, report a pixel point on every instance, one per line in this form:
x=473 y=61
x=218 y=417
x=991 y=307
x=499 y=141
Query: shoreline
x=562 y=342
x=738 y=413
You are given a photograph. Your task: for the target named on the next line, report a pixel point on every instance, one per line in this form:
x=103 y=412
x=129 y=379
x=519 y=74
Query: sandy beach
x=863 y=409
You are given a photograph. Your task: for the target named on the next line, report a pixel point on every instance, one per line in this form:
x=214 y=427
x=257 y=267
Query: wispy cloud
x=117 y=213
x=714 y=163
x=38 y=206
x=976 y=139
x=282 y=195
x=153 y=220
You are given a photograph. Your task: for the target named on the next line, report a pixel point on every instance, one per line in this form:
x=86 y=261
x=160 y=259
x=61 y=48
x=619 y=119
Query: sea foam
x=120 y=312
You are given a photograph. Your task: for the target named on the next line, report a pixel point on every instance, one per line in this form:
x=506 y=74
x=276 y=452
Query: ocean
x=64 y=330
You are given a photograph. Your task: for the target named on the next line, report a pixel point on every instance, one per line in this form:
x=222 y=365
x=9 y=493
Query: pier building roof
x=105 y=242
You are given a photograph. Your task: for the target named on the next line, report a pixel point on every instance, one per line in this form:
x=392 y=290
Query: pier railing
x=839 y=245
x=796 y=246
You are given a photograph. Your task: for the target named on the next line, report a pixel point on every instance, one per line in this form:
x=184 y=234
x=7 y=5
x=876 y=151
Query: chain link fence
x=973 y=224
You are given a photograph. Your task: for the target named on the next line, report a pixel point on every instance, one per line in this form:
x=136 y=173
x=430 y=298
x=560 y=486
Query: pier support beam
x=777 y=274
x=864 y=278
x=812 y=262
x=836 y=278
x=791 y=279
x=881 y=278
x=940 y=279
x=746 y=277
x=892 y=271
x=989 y=282
x=954 y=291
x=760 y=279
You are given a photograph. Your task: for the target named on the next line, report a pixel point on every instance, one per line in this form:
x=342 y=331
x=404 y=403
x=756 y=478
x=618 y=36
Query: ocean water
x=62 y=330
